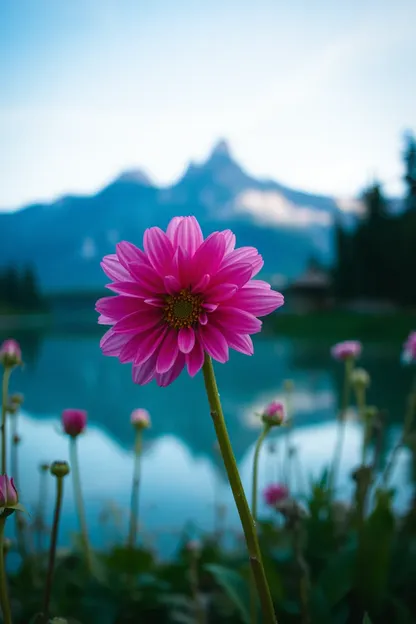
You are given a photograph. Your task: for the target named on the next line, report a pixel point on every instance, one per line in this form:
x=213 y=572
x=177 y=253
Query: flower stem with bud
x=4 y=597
x=134 y=509
x=261 y=438
x=238 y=493
x=59 y=470
x=349 y=365
x=79 y=500
x=5 y=397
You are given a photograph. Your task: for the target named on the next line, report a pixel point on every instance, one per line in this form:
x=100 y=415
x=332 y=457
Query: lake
x=182 y=478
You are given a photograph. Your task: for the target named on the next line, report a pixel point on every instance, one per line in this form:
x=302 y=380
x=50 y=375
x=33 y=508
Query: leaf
x=234 y=586
x=367 y=619
x=336 y=580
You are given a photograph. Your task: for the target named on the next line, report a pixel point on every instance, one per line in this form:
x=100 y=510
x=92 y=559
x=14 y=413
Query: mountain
x=66 y=239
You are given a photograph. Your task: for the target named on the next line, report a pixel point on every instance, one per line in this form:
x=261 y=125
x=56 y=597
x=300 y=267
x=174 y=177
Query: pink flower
x=10 y=353
x=140 y=418
x=347 y=349
x=74 y=421
x=8 y=493
x=275 y=493
x=180 y=298
x=409 y=349
x=274 y=414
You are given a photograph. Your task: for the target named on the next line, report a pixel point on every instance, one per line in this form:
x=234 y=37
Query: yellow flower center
x=182 y=310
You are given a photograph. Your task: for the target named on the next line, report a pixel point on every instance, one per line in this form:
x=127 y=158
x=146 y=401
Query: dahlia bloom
x=74 y=421
x=347 y=349
x=180 y=298
x=8 y=493
x=274 y=414
x=275 y=493
x=140 y=418
x=409 y=349
x=10 y=353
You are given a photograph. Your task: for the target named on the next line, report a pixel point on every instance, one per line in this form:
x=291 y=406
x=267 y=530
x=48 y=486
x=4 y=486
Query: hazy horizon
x=316 y=98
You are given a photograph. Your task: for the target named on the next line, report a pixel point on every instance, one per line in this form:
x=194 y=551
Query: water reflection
x=182 y=476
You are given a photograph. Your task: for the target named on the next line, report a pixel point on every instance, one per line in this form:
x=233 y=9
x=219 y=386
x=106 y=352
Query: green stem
x=361 y=404
x=289 y=425
x=5 y=398
x=259 y=443
x=4 y=597
x=79 y=501
x=304 y=577
x=52 y=548
x=407 y=427
x=238 y=492
x=19 y=521
x=261 y=438
x=194 y=582
x=134 y=509
x=43 y=485
x=349 y=364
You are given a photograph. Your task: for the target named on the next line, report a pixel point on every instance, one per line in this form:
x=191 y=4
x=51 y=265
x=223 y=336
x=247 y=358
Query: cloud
x=271 y=207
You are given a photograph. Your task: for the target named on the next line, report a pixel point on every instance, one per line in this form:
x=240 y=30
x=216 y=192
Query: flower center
x=182 y=310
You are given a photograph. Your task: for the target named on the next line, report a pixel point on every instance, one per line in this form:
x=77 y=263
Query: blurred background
x=291 y=124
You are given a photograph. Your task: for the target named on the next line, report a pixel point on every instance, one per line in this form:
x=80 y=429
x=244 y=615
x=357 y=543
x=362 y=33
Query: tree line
x=377 y=257
x=19 y=290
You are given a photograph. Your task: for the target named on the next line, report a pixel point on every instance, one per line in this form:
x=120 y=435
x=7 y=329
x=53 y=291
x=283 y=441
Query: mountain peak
x=135 y=176
x=221 y=148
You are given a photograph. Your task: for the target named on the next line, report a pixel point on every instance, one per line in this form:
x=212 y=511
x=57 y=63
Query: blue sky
x=314 y=94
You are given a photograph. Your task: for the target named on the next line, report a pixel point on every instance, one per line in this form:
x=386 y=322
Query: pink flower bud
x=348 y=349
x=140 y=418
x=275 y=493
x=274 y=414
x=74 y=421
x=409 y=349
x=10 y=353
x=8 y=493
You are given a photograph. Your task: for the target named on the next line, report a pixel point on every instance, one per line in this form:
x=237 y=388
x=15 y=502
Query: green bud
x=60 y=469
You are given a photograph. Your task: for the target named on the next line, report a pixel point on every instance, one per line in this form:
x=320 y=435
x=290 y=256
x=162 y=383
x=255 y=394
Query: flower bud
x=275 y=493
x=7 y=544
x=10 y=353
x=17 y=398
x=140 y=418
x=274 y=414
x=16 y=439
x=44 y=467
x=12 y=408
x=74 y=421
x=8 y=493
x=409 y=349
x=289 y=385
x=59 y=620
x=360 y=379
x=59 y=468
x=193 y=547
x=350 y=349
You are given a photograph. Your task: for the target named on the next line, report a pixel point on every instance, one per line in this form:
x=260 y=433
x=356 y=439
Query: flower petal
x=144 y=373
x=195 y=359
x=150 y=344
x=221 y=292
x=159 y=250
x=147 y=278
x=203 y=318
x=201 y=285
x=229 y=241
x=105 y=320
x=128 y=253
x=167 y=378
x=248 y=255
x=168 y=352
x=118 y=306
x=186 y=339
x=239 y=342
x=132 y=289
x=214 y=342
x=208 y=256
x=172 y=285
x=188 y=235
x=237 y=273
x=112 y=343
x=138 y=322
x=257 y=301
x=130 y=349
x=239 y=321
x=113 y=269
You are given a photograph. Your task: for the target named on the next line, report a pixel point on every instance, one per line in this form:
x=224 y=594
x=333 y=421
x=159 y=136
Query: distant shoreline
x=335 y=324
